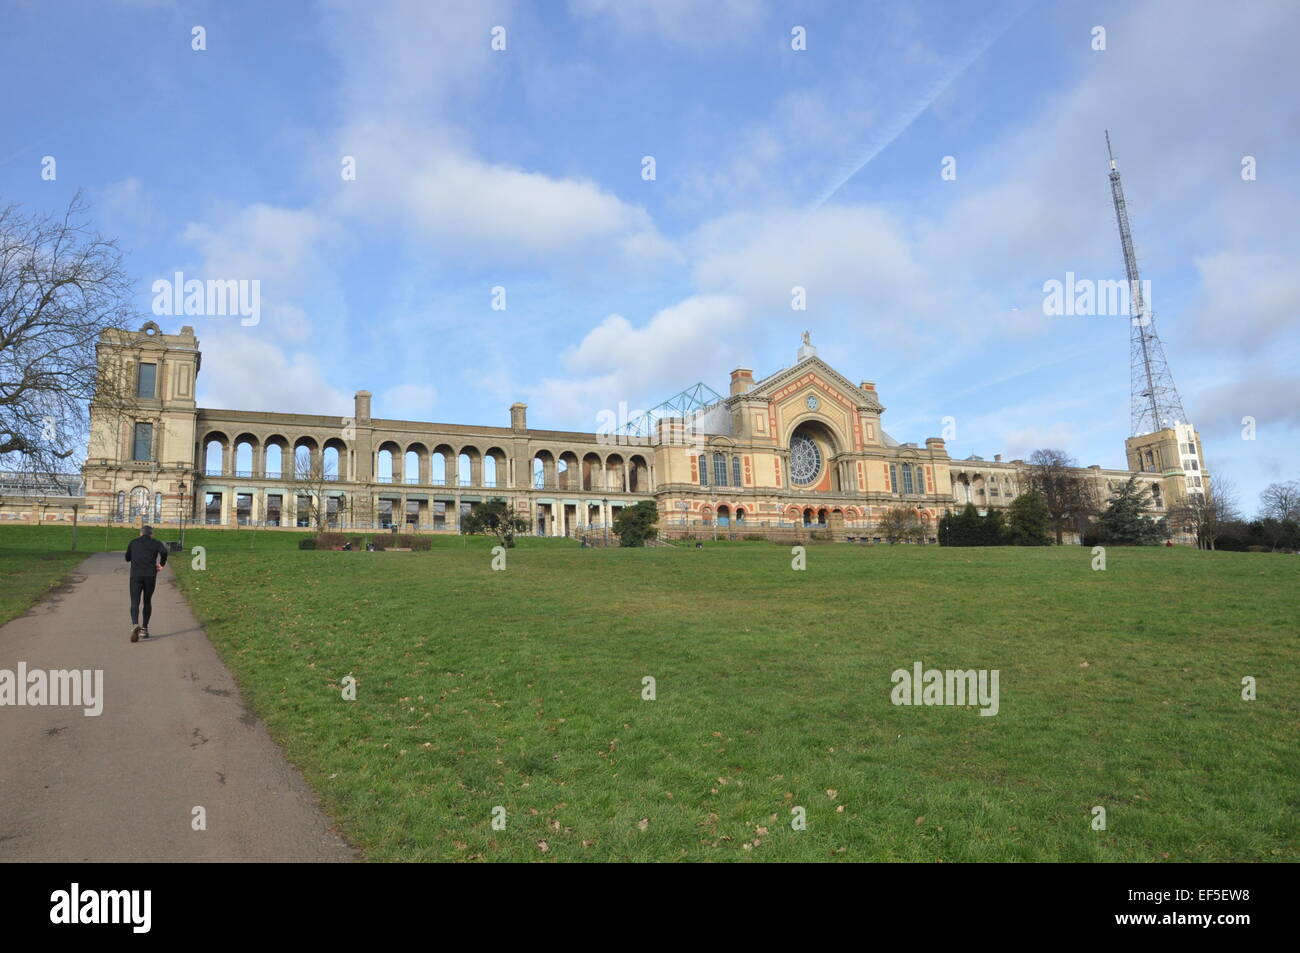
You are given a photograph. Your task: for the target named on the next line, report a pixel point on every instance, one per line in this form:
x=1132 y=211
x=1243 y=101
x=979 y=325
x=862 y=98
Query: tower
x=1162 y=441
x=1154 y=403
x=139 y=454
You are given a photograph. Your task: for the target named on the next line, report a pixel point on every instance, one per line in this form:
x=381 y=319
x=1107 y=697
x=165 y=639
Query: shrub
x=330 y=540
x=308 y=543
x=412 y=541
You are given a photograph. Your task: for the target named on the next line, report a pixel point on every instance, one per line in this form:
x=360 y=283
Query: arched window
x=907 y=479
x=740 y=516
x=157 y=507
x=120 y=512
x=893 y=478
x=139 y=502
x=719 y=470
x=704 y=470
x=735 y=471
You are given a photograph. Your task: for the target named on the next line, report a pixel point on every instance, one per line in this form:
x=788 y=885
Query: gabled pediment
x=773 y=384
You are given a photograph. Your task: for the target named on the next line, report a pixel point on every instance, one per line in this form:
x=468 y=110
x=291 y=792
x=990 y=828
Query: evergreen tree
x=635 y=524
x=1029 y=521
x=1122 y=522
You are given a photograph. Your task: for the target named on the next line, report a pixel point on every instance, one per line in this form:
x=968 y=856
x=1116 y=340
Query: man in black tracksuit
x=141 y=553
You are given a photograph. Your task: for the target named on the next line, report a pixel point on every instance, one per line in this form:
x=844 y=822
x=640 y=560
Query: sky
x=921 y=171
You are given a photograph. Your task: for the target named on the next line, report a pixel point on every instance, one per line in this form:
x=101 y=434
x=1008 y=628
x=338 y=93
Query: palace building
x=802 y=448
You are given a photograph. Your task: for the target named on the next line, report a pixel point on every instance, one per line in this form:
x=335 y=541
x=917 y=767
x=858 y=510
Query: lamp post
x=605 y=503
x=183 y=488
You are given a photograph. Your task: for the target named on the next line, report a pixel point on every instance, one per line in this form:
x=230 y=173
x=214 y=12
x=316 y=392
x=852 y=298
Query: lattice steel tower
x=1154 y=401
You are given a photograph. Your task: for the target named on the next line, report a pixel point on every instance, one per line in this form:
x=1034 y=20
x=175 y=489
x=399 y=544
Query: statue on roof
x=807 y=338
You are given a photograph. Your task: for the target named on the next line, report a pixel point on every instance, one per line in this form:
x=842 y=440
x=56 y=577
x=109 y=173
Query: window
x=1196 y=481
x=735 y=471
x=893 y=478
x=120 y=511
x=805 y=460
x=157 y=507
x=274 y=502
x=143 y=449
x=704 y=470
x=719 y=470
x=146 y=381
x=907 y=479
x=139 y=503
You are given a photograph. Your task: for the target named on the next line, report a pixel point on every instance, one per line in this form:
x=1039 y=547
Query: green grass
x=523 y=689
x=36 y=560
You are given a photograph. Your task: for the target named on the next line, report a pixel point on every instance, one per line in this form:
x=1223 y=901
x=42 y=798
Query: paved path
x=173 y=734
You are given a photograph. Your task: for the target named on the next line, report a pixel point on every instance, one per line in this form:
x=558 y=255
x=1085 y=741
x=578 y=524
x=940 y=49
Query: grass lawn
x=523 y=689
x=36 y=560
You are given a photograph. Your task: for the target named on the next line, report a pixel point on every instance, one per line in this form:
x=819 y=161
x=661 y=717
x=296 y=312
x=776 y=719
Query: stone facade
x=802 y=447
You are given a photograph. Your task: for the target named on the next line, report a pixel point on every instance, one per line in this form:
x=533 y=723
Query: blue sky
x=775 y=168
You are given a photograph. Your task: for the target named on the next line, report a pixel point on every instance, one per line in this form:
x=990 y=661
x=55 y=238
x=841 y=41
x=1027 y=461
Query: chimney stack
x=361 y=406
x=742 y=379
x=518 y=416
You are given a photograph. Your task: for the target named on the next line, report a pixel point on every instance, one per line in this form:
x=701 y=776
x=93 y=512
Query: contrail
x=877 y=144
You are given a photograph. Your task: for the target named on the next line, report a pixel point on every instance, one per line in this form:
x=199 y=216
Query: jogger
x=141 y=553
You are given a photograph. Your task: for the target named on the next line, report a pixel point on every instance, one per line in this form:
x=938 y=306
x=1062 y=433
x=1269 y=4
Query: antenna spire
x=1154 y=401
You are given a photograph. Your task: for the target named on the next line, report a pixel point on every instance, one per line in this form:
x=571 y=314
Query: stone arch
x=217 y=464
x=568 y=471
x=615 y=473
x=592 y=470
x=306 y=455
x=442 y=465
x=638 y=475
x=469 y=466
x=815 y=469
x=138 y=503
x=544 y=473
x=275 y=465
x=495 y=467
x=388 y=462
x=334 y=459
x=247 y=449
x=415 y=463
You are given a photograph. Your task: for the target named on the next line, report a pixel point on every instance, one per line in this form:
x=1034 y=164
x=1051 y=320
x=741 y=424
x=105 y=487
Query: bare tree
x=1068 y=494
x=901 y=524
x=311 y=479
x=1280 y=502
x=1205 y=516
x=61 y=287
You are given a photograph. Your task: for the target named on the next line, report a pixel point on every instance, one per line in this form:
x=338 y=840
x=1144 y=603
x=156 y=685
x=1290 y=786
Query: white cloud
x=618 y=362
x=448 y=194
x=255 y=374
